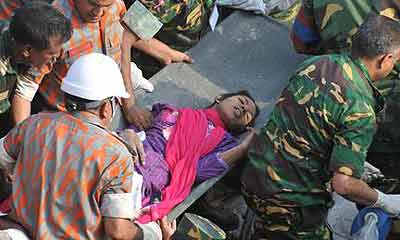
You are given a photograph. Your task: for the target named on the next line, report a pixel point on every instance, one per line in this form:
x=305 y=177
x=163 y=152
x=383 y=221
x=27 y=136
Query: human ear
x=105 y=112
x=26 y=51
x=385 y=61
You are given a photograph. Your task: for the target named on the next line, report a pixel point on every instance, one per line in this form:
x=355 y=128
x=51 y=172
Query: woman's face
x=236 y=112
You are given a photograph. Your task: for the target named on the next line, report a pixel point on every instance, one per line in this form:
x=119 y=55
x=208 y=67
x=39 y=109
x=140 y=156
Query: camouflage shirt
x=181 y=15
x=16 y=77
x=322 y=123
x=183 y=21
x=328 y=25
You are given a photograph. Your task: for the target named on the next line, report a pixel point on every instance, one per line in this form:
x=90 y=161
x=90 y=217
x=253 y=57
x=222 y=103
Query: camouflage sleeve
x=351 y=142
x=28 y=84
x=304 y=33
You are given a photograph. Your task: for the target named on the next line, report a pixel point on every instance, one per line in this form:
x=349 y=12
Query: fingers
x=144 y=210
x=164 y=223
x=173 y=225
x=10 y=178
x=138 y=124
x=187 y=59
x=249 y=129
x=141 y=212
x=138 y=116
x=141 y=153
x=141 y=122
x=147 y=119
x=166 y=60
x=252 y=130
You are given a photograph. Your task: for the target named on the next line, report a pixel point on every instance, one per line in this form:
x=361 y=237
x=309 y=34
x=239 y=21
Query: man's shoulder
x=331 y=72
x=316 y=63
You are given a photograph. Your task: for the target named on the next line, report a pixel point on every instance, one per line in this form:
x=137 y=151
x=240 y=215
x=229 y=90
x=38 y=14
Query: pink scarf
x=188 y=142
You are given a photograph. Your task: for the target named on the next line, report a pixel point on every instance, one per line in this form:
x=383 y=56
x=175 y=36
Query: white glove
x=390 y=203
x=371 y=173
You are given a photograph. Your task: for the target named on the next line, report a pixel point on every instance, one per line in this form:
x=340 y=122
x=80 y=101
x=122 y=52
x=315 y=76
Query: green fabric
x=323 y=122
x=291 y=223
x=337 y=21
x=181 y=16
x=8 y=75
x=289 y=15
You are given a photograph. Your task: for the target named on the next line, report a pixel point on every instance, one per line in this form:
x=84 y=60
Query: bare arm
x=20 y=109
x=167 y=228
x=128 y=40
x=134 y=114
x=234 y=154
x=122 y=229
x=161 y=51
x=354 y=189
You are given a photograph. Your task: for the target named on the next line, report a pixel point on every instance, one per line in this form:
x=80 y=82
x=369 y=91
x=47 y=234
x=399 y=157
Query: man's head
x=39 y=31
x=91 y=11
x=377 y=43
x=92 y=84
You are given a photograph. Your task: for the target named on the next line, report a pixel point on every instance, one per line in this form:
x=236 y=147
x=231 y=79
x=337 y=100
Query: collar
x=89 y=118
x=380 y=100
x=94 y=120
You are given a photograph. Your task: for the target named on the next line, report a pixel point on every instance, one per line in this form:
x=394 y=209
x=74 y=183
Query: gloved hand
x=390 y=203
x=371 y=173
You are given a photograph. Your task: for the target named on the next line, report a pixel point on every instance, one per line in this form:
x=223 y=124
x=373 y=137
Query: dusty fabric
x=189 y=140
x=155 y=172
x=326 y=26
x=64 y=166
x=86 y=38
x=322 y=123
x=17 y=79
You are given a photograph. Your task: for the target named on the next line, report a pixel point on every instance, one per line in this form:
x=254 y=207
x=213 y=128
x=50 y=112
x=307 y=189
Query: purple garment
x=155 y=172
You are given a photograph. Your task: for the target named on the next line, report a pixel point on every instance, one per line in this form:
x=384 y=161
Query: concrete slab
x=245 y=52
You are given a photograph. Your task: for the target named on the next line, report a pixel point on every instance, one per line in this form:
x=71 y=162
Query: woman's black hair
x=239 y=93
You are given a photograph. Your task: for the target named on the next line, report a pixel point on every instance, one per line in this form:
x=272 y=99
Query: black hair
x=239 y=93
x=36 y=22
x=376 y=36
x=73 y=103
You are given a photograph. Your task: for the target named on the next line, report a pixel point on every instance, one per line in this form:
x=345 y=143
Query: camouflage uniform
x=194 y=227
x=323 y=122
x=15 y=79
x=184 y=22
x=326 y=26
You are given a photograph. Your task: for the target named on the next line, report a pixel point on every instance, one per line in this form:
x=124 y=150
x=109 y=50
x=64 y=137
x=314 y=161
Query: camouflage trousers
x=262 y=232
x=274 y=222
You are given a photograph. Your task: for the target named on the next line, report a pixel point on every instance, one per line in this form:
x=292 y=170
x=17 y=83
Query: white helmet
x=94 y=77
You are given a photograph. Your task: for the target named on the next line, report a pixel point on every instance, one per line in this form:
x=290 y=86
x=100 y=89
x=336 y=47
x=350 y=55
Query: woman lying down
x=184 y=146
